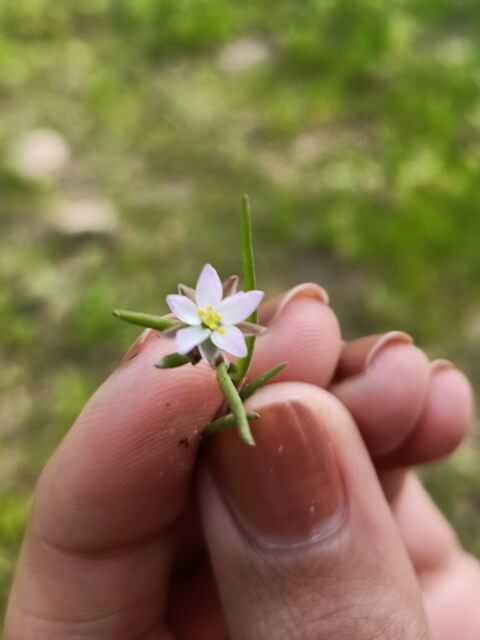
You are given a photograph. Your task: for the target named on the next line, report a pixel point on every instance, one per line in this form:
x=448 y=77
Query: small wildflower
x=212 y=317
x=210 y=321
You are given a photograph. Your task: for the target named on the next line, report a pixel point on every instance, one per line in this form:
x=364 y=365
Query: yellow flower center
x=211 y=318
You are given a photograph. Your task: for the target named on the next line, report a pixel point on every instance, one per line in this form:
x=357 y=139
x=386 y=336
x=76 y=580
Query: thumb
x=302 y=541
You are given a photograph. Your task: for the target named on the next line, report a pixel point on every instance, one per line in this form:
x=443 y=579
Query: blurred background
x=129 y=130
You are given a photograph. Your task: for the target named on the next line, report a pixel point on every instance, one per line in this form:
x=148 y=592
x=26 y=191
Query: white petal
x=183 y=308
x=190 y=337
x=209 y=288
x=239 y=306
x=231 y=341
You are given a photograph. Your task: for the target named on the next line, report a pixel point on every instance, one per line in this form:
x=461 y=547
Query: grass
x=356 y=135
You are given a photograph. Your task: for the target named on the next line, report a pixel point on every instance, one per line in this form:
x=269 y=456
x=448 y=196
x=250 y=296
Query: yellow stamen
x=210 y=317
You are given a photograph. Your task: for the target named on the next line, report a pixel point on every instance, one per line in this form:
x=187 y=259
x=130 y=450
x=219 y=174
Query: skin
x=128 y=525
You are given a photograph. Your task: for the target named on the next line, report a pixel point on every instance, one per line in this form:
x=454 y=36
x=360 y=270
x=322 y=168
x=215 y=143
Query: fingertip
x=273 y=308
x=386 y=397
x=305 y=333
x=446 y=417
x=357 y=355
x=452 y=393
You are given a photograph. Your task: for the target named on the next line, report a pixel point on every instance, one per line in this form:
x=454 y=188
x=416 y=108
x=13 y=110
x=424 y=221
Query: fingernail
x=440 y=365
x=387 y=340
x=358 y=355
x=275 y=308
x=144 y=339
x=287 y=489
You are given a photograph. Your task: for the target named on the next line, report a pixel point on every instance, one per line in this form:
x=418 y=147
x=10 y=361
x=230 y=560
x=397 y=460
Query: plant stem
x=260 y=380
x=144 y=319
x=235 y=402
x=249 y=277
x=173 y=360
x=227 y=421
x=246 y=239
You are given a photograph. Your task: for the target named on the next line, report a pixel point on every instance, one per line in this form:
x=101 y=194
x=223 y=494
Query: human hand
x=302 y=539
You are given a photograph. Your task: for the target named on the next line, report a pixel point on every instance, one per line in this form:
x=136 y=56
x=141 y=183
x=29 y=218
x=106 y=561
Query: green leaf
x=232 y=396
x=246 y=239
x=249 y=277
x=233 y=373
x=172 y=360
x=260 y=380
x=144 y=319
x=227 y=421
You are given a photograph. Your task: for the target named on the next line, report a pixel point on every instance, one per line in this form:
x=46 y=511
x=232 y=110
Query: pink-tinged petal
x=230 y=340
x=230 y=286
x=184 y=309
x=249 y=328
x=209 y=288
x=239 y=306
x=183 y=290
x=190 y=337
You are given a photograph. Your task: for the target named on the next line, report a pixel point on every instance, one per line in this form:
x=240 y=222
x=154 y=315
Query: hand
x=303 y=541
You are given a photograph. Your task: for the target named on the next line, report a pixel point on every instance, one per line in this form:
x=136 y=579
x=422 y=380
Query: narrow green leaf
x=246 y=239
x=227 y=421
x=232 y=396
x=233 y=373
x=144 y=319
x=260 y=380
x=172 y=360
x=249 y=276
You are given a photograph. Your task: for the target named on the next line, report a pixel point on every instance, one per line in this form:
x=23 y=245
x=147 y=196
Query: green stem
x=227 y=421
x=249 y=277
x=260 y=380
x=246 y=238
x=235 y=402
x=144 y=319
x=173 y=360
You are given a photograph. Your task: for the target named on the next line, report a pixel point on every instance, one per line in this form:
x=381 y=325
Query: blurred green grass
x=354 y=125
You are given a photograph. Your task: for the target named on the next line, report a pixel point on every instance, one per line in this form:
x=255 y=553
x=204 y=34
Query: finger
x=303 y=331
x=382 y=380
x=271 y=308
x=100 y=541
x=194 y=609
x=450 y=579
x=128 y=446
x=302 y=541
x=451 y=599
x=428 y=537
x=445 y=419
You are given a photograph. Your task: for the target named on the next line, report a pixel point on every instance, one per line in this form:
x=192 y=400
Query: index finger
x=100 y=543
x=127 y=447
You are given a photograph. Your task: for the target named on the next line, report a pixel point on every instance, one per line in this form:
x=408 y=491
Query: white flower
x=212 y=317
